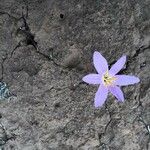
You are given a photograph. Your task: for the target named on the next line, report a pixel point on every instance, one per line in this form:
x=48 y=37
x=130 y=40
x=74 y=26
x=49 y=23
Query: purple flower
x=108 y=79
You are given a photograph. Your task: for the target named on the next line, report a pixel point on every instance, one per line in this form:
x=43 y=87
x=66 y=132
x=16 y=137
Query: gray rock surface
x=46 y=47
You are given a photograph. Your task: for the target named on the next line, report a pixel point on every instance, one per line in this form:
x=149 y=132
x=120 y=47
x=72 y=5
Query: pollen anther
x=107 y=79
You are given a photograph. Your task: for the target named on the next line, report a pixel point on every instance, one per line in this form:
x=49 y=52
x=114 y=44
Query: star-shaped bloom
x=108 y=79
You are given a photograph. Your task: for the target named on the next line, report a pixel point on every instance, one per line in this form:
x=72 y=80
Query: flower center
x=108 y=80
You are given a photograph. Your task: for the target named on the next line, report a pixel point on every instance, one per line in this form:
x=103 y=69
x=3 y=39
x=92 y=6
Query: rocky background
x=46 y=47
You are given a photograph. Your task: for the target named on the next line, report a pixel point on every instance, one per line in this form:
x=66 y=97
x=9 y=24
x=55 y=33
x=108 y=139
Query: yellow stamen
x=108 y=80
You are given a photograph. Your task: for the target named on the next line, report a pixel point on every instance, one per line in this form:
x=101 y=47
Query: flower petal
x=123 y=80
x=101 y=96
x=116 y=91
x=92 y=78
x=117 y=66
x=100 y=63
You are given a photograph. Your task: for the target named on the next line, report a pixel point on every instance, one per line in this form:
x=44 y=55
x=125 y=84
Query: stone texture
x=44 y=56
